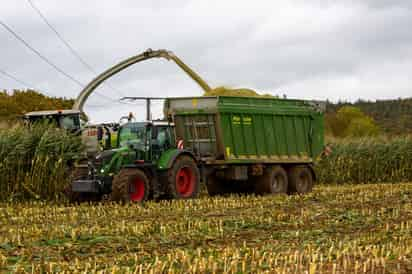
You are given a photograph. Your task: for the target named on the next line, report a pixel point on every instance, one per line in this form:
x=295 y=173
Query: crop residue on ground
x=343 y=229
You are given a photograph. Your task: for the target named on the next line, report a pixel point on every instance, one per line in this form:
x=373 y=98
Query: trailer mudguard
x=168 y=157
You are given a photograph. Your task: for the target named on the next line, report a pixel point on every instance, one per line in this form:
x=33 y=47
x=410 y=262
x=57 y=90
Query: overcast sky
x=337 y=50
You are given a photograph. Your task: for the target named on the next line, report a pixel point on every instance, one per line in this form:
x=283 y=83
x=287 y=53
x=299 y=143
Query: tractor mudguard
x=116 y=160
x=168 y=157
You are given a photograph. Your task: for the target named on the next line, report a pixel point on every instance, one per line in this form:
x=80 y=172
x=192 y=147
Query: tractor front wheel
x=184 y=179
x=130 y=185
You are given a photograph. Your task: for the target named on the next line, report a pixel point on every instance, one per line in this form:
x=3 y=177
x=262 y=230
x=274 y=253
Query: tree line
x=393 y=117
x=342 y=119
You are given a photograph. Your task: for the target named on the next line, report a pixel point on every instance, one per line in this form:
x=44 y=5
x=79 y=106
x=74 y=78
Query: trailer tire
x=130 y=185
x=77 y=173
x=273 y=181
x=183 y=179
x=300 y=179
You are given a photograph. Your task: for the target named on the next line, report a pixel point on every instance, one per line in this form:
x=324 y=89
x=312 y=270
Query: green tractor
x=146 y=164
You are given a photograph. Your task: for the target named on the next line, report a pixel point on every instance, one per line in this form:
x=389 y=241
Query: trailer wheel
x=273 y=181
x=183 y=179
x=130 y=185
x=77 y=173
x=300 y=179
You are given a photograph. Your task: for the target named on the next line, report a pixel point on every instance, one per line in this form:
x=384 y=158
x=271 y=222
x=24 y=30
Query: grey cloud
x=306 y=49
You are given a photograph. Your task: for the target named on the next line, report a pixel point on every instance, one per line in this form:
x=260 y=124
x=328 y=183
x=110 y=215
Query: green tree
x=351 y=122
x=361 y=127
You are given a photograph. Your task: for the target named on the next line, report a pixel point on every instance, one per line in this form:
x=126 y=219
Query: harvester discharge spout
x=148 y=54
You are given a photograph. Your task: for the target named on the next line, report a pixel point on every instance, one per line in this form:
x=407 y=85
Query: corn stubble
x=34 y=162
x=335 y=229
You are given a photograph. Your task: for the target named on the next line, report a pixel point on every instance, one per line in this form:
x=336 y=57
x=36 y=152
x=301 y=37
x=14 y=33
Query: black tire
x=300 y=179
x=183 y=179
x=273 y=181
x=130 y=185
x=77 y=173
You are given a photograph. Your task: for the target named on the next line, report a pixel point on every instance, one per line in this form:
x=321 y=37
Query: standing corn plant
x=368 y=161
x=34 y=161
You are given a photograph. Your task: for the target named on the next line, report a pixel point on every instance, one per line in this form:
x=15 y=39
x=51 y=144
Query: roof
x=52 y=112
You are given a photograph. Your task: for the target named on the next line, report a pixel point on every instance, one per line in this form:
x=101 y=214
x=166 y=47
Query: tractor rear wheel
x=77 y=173
x=273 y=181
x=183 y=179
x=300 y=179
x=130 y=185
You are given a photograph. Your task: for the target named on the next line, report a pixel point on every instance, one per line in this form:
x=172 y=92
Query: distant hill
x=394 y=117
x=14 y=104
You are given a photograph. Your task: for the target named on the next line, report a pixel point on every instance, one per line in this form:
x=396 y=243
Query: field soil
x=335 y=229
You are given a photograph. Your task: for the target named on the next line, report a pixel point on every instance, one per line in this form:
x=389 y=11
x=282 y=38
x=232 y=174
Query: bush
x=350 y=122
x=34 y=161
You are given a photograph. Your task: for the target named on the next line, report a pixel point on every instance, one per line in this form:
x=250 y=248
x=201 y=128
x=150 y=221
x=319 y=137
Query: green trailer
x=233 y=144
x=242 y=140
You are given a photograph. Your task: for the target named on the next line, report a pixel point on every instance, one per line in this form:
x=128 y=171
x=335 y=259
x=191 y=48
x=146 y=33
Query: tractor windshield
x=132 y=133
x=69 y=122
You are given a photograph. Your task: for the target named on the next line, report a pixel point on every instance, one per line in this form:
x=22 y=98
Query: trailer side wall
x=243 y=129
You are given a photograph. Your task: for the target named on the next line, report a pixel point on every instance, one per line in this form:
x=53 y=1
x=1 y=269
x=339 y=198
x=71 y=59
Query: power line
x=28 y=85
x=45 y=59
x=66 y=43
x=24 y=83
x=40 y=55
x=72 y=50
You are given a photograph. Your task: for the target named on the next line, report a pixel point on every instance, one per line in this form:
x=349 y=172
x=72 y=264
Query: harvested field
x=345 y=229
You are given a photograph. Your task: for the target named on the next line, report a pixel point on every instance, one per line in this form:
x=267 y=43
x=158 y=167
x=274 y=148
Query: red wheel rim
x=137 y=190
x=185 y=182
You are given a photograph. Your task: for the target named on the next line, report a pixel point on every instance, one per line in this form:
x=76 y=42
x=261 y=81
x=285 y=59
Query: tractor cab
x=147 y=139
x=64 y=119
